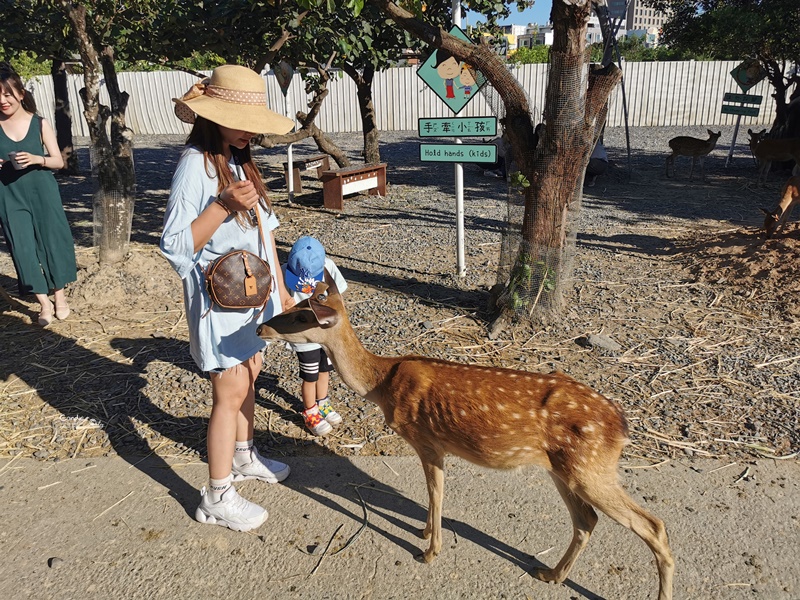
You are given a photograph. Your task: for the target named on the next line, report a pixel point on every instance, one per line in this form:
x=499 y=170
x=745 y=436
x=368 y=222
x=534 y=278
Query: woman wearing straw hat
x=215 y=192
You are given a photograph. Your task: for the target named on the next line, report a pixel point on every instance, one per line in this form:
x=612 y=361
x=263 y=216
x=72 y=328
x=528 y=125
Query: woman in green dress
x=31 y=211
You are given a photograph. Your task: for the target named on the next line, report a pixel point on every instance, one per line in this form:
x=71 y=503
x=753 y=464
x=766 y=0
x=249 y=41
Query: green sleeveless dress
x=33 y=219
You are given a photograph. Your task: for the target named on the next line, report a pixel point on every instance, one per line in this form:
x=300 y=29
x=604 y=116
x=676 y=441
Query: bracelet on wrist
x=223 y=205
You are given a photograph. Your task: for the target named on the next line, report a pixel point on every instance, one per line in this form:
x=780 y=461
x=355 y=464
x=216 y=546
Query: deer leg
x=583 y=521
x=763 y=171
x=433 y=466
x=611 y=498
x=782 y=219
x=670 y=161
x=691 y=169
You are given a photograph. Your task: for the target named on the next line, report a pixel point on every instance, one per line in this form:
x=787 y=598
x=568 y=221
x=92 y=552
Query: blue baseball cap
x=305 y=266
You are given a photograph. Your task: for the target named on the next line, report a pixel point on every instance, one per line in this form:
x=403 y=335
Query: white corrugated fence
x=659 y=94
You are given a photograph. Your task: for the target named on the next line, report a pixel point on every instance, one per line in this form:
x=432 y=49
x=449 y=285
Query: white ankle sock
x=241 y=453
x=217 y=487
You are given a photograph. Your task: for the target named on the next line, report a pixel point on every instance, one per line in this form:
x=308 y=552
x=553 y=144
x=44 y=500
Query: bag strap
x=263 y=245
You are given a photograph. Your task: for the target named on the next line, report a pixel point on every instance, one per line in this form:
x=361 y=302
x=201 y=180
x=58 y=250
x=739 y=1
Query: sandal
x=46 y=315
x=62 y=311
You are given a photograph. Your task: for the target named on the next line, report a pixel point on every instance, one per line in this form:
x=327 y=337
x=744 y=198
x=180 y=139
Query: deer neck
x=359 y=369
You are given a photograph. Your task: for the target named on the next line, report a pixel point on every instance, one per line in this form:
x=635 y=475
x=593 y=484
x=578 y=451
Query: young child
x=306 y=266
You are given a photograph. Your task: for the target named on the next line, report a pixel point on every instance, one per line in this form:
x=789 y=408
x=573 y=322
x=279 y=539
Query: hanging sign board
x=748 y=74
x=456 y=83
x=458 y=153
x=458 y=127
x=284 y=73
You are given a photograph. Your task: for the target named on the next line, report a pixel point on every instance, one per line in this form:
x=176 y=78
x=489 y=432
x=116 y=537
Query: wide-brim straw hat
x=234 y=97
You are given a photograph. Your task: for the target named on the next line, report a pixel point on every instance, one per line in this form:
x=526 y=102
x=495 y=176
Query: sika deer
x=683 y=145
x=790 y=197
x=493 y=417
x=766 y=151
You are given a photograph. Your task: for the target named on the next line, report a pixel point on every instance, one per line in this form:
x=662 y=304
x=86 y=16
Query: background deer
x=790 y=197
x=766 y=151
x=493 y=417
x=683 y=145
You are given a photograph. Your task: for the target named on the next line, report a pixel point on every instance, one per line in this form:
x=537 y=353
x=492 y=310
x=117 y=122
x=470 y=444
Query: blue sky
x=540 y=13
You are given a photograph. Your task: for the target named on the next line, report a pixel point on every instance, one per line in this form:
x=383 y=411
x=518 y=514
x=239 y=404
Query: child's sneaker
x=315 y=422
x=231 y=511
x=260 y=468
x=327 y=412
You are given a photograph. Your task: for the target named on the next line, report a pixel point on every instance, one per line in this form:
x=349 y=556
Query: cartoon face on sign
x=467 y=79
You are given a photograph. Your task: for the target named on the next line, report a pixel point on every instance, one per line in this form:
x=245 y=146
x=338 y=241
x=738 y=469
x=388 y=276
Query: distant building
x=641 y=17
x=512 y=32
x=539 y=35
x=650 y=34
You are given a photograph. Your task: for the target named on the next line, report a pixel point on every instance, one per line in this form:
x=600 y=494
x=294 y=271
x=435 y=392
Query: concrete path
x=106 y=528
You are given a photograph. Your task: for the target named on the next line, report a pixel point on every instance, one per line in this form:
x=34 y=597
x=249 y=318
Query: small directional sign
x=457 y=153
x=743 y=98
x=745 y=111
x=455 y=82
x=458 y=127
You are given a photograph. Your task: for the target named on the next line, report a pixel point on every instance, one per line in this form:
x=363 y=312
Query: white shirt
x=222 y=338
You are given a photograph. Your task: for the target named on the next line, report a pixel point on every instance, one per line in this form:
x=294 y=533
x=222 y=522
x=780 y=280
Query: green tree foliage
x=27 y=64
x=733 y=29
x=529 y=56
x=633 y=49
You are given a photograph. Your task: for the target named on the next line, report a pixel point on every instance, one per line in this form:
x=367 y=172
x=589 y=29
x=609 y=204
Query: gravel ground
x=679 y=311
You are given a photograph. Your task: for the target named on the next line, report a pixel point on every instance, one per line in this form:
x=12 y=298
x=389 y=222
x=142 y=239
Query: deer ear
x=331 y=283
x=318 y=302
x=750 y=131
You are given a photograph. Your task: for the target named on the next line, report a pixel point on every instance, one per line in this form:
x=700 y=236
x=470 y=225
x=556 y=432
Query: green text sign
x=743 y=98
x=458 y=127
x=746 y=111
x=456 y=153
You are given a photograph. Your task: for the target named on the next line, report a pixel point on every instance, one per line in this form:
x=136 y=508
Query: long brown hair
x=10 y=80
x=206 y=136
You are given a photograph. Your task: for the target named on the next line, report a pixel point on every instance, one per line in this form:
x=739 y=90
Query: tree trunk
x=111 y=158
x=63 y=118
x=363 y=81
x=574 y=114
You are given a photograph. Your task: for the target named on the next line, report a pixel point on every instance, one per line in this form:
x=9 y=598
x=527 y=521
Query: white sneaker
x=231 y=511
x=327 y=412
x=261 y=468
x=315 y=422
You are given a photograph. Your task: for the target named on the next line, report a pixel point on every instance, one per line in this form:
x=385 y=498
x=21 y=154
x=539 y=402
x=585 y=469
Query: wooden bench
x=337 y=183
x=319 y=162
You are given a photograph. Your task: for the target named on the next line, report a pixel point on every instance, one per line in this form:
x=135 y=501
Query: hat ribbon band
x=235 y=96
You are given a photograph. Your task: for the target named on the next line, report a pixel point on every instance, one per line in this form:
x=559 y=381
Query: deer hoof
x=547 y=575
x=426 y=557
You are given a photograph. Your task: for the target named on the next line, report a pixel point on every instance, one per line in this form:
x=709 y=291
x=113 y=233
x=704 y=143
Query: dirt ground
x=677 y=273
